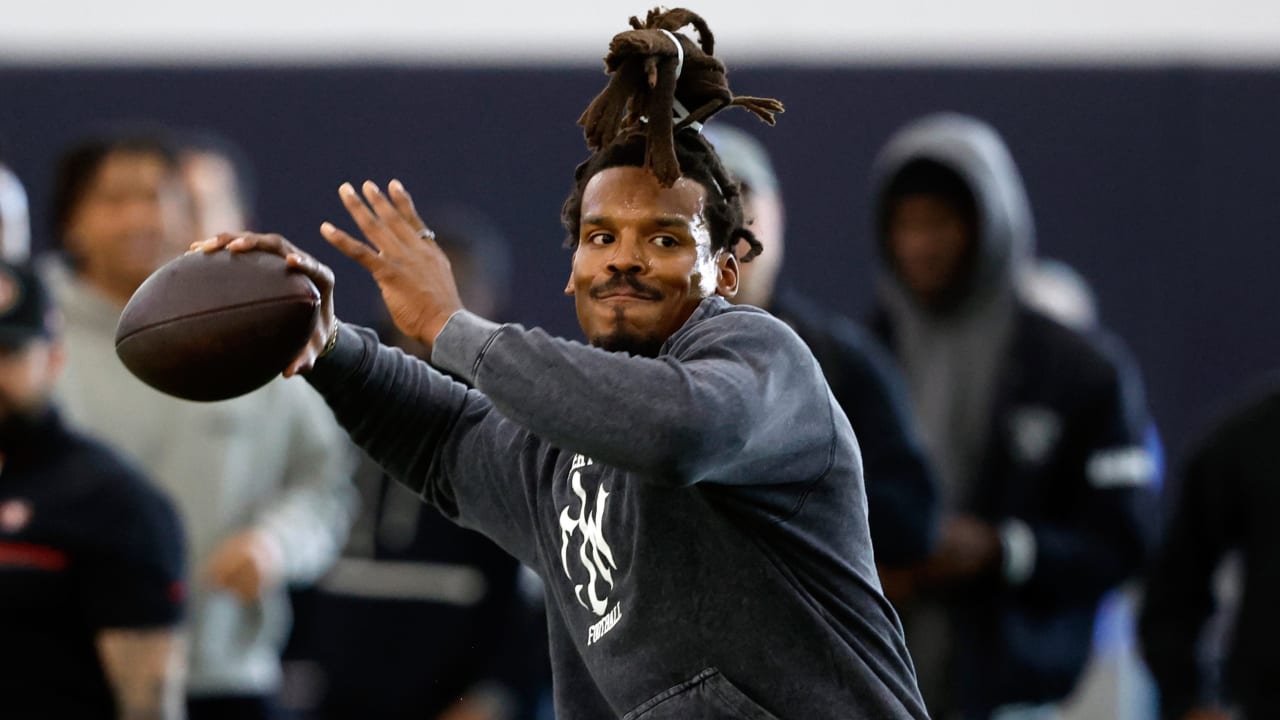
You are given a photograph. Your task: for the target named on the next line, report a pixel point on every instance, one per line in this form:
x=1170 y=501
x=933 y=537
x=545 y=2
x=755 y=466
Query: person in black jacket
x=1037 y=433
x=92 y=584
x=901 y=492
x=1227 y=503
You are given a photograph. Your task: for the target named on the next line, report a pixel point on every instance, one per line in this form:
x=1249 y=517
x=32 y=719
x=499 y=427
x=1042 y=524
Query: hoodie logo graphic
x=594 y=553
x=1036 y=431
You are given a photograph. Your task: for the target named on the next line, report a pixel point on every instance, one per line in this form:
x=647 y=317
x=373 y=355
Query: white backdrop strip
x=508 y=32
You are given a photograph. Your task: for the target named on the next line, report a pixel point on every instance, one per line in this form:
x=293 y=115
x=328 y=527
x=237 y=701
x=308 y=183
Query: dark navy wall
x=1159 y=184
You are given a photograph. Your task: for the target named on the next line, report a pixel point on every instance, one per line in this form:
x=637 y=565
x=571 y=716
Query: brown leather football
x=215 y=326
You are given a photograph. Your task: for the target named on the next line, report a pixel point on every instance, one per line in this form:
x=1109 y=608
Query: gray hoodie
x=698 y=518
x=227 y=469
x=951 y=360
x=1037 y=429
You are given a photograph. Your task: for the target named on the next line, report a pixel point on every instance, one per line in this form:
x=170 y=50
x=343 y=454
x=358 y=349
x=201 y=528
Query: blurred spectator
x=261 y=505
x=901 y=494
x=1225 y=508
x=221 y=182
x=1055 y=289
x=91 y=556
x=15 y=223
x=1037 y=433
x=421 y=618
x=1115 y=683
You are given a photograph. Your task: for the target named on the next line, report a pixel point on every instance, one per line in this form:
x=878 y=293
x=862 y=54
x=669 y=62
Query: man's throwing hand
x=402 y=256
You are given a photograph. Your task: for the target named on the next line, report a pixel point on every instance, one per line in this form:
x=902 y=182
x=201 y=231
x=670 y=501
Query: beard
x=622 y=339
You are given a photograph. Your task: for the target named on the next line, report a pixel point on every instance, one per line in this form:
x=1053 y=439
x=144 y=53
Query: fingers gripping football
x=319 y=273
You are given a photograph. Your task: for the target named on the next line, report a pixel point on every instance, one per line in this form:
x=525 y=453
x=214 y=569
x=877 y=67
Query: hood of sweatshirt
x=952 y=356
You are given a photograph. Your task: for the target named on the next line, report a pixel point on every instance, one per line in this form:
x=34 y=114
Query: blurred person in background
x=901 y=492
x=1057 y=290
x=91 y=555
x=1224 y=512
x=1037 y=433
x=263 y=504
x=421 y=618
x=1115 y=683
x=221 y=181
x=15 y=221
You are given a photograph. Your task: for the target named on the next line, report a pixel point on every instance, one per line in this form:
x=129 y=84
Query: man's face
x=134 y=216
x=764 y=216
x=27 y=375
x=211 y=179
x=931 y=245
x=644 y=260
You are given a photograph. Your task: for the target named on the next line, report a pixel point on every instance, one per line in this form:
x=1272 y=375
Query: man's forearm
x=145 y=670
x=395 y=407
x=725 y=391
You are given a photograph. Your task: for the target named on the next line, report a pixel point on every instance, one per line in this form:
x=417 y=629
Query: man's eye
x=600 y=239
x=665 y=241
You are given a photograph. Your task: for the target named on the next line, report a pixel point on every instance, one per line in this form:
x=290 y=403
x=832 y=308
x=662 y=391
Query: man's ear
x=727 y=274
x=568 y=286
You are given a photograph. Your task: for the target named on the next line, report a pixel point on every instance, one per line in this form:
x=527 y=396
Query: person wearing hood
x=1037 y=433
x=901 y=491
x=263 y=508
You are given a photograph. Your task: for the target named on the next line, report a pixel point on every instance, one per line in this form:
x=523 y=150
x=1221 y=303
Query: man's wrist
x=461 y=343
x=332 y=342
x=268 y=549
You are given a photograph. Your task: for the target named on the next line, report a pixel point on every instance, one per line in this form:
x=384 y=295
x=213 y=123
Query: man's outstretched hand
x=401 y=254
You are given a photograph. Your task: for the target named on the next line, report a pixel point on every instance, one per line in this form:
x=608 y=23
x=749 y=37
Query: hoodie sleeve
x=435 y=436
x=738 y=398
x=1111 y=465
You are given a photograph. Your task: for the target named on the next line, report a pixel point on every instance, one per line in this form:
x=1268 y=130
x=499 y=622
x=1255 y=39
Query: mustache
x=627 y=280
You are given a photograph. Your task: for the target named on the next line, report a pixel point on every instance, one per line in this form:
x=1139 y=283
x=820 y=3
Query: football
x=218 y=325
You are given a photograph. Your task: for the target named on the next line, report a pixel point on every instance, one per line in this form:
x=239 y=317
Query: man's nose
x=627 y=258
x=143 y=210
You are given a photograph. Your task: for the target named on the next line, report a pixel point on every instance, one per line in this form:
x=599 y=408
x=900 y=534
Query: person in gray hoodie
x=686 y=485
x=1037 y=432
x=263 y=507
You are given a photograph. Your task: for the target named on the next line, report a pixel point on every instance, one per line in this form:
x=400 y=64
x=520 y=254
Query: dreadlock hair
x=655 y=71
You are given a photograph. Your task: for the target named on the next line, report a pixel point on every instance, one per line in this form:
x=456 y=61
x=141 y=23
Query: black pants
x=232 y=707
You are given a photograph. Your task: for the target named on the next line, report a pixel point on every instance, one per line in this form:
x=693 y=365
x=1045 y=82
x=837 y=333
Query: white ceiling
x=520 y=31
